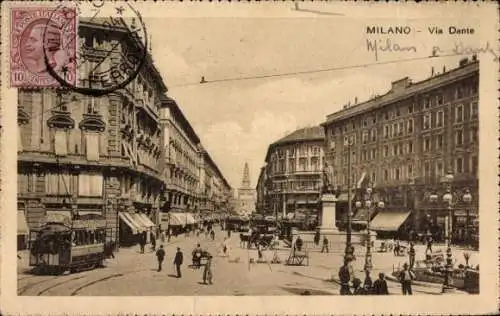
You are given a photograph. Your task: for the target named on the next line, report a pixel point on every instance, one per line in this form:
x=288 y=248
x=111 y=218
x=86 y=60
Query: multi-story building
x=81 y=154
x=262 y=204
x=405 y=141
x=182 y=161
x=214 y=188
x=294 y=167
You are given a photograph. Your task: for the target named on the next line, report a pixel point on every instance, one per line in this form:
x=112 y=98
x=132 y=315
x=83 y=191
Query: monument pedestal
x=328 y=216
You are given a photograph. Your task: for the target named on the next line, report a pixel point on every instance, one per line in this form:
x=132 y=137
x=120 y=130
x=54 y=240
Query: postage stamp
x=269 y=158
x=42 y=37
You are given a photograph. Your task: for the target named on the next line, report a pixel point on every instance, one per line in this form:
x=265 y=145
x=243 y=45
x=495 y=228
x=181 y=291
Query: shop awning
x=389 y=221
x=145 y=220
x=128 y=219
x=181 y=219
x=361 y=215
x=62 y=217
x=22 y=225
x=343 y=197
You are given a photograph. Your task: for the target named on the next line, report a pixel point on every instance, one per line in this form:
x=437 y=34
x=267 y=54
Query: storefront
x=391 y=224
x=132 y=225
x=22 y=231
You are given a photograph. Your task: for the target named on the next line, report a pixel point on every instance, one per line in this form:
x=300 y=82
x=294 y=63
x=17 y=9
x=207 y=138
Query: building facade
x=82 y=154
x=182 y=161
x=407 y=140
x=293 y=178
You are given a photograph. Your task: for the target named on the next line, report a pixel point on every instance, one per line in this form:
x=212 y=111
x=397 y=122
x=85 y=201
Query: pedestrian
x=259 y=251
x=406 y=276
x=357 y=289
x=316 y=238
x=160 y=255
x=163 y=236
x=153 y=241
x=325 y=245
x=429 y=244
x=207 y=271
x=197 y=253
x=298 y=243
x=178 y=261
x=345 y=277
x=229 y=233
x=380 y=285
x=212 y=234
x=396 y=248
x=142 y=241
x=368 y=283
x=411 y=254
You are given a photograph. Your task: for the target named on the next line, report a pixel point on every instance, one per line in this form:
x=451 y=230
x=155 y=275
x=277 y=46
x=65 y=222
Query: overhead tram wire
x=204 y=81
x=305 y=72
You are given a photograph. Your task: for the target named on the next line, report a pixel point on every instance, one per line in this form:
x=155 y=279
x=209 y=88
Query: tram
x=61 y=244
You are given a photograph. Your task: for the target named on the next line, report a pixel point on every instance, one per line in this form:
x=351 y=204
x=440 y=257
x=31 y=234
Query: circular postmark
x=111 y=47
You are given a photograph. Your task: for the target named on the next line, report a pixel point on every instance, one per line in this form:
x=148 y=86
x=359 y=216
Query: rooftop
x=404 y=88
x=303 y=134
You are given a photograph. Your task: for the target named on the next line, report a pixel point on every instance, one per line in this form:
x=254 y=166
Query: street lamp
x=467 y=198
x=448 y=198
x=349 y=250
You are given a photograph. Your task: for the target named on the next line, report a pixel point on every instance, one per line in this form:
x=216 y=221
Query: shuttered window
x=92 y=144
x=19 y=139
x=60 y=143
x=90 y=184
x=58 y=184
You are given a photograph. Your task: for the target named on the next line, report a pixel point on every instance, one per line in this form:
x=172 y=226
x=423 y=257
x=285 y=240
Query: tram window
x=91 y=237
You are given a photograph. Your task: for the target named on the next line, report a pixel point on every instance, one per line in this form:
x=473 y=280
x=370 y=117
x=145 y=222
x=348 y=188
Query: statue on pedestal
x=327 y=177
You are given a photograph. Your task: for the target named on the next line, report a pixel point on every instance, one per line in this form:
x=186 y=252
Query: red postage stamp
x=43 y=42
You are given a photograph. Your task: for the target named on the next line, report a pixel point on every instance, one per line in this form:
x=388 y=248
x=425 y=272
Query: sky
x=237 y=120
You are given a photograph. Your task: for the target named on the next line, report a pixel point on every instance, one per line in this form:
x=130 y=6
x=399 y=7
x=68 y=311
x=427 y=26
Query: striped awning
x=181 y=219
x=145 y=220
x=130 y=221
x=22 y=225
x=388 y=221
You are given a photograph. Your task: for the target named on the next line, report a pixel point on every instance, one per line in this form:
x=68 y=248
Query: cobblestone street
x=132 y=273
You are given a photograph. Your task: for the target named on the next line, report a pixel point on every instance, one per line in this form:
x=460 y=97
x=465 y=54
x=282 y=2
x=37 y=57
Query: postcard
x=249 y=158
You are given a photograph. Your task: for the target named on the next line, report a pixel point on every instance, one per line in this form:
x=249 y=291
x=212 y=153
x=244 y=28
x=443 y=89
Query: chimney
x=463 y=62
x=432 y=71
x=474 y=57
x=355 y=100
x=444 y=69
x=400 y=84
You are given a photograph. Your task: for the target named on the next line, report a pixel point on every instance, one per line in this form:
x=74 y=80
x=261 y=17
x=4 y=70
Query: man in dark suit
x=179 y=258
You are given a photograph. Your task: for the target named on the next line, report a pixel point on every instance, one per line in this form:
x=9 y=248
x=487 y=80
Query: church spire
x=245 y=183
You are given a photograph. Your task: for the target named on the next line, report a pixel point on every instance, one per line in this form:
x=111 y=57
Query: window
x=332 y=144
x=386 y=115
x=473 y=109
x=398 y=113
x=409 y=128
x=302 y=164
x=353 y=157
x=315 y=164
x=401 y=128
x=410 y=170
x=386 y=151
x=427 y=121
x=459 y=93
x=291 y=165
x=398 y=173
x=19 y=138
x=410 y=108
x=427 y=103
x=427 y=170
x=459 y=165
x=395 y=150
x=439 y=142
x=374 y=134
x=292 y=152
x=60 y=143
x=473 y=135
x=373 y=177
x=459 y=137
x=474 y=87
x=365 y=122
x=439 y=169
x=58 y=184
x=315 y=151
x=439 y=99
x=410 y=146
x=427 y=144
x=400 y=146
x=353 y=125
x=92 y=106
x=473 y=165
x=386 y=131
x=459 y=113
x=439 y=119
x=386 y=174
x=373 y=153
x=363 y=155
x=394 y=129
x=365 y=137
x=90 y=184
x=92 y=146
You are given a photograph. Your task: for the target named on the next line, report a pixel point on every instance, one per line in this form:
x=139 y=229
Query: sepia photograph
x=250 y=150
